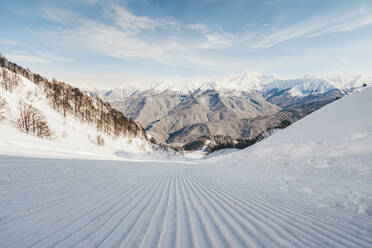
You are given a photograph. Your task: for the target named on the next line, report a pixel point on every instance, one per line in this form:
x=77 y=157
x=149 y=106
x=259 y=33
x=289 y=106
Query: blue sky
x=106 y=43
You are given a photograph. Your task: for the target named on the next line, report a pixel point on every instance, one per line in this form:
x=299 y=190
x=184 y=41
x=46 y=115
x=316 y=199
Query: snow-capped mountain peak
x=254 y=82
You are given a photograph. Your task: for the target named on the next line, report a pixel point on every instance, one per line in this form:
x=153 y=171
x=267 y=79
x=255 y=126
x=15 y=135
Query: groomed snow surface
x=309 y=185
x=80 y=203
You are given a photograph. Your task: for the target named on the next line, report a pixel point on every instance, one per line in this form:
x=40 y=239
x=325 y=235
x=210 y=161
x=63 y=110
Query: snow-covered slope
x=327 y=156
x=70 y=138
x=307 y=85
x=346 y=82
x=292 y=190
x=339 y=122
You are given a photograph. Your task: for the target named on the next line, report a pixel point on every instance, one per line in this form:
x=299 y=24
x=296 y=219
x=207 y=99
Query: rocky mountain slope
x=241 y=106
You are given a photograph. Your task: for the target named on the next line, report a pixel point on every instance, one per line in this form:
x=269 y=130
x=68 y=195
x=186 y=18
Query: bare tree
x=14 y=81
x=25 y=115
x=5 y=78
x=32 y=120
x=42 y=129
x=100 y=141
x=9 y=80
x=3 y=108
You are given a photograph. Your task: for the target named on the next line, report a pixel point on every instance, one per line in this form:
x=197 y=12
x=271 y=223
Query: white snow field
x=309 y=185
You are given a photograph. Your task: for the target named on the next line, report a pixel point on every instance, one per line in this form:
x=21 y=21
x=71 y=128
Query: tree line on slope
x=69 y=100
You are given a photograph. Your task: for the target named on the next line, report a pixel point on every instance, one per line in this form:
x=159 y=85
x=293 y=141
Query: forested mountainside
x=72 y=101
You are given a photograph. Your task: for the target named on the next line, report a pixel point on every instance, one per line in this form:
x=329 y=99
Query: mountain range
x=230 y=112
x=242 y=106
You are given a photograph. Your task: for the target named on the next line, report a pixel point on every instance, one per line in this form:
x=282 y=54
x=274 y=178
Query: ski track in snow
x=79 y=203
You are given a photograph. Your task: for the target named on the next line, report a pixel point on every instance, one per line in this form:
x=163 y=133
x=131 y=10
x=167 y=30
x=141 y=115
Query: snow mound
x=327 y=155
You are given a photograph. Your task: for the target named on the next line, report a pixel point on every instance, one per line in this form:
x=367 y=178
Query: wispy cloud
x=130 y=22
x=89 y=1
x=27 y=58
x=319 y=25
x=130 y=36
x=116 y=43
x=199 y=27
x=7 y=42
x=63 y=16
x=36 y=57
x=215 y=40
x=52 y=57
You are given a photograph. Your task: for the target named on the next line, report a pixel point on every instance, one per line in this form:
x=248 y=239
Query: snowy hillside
x=69 y=136
x=326 y=156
